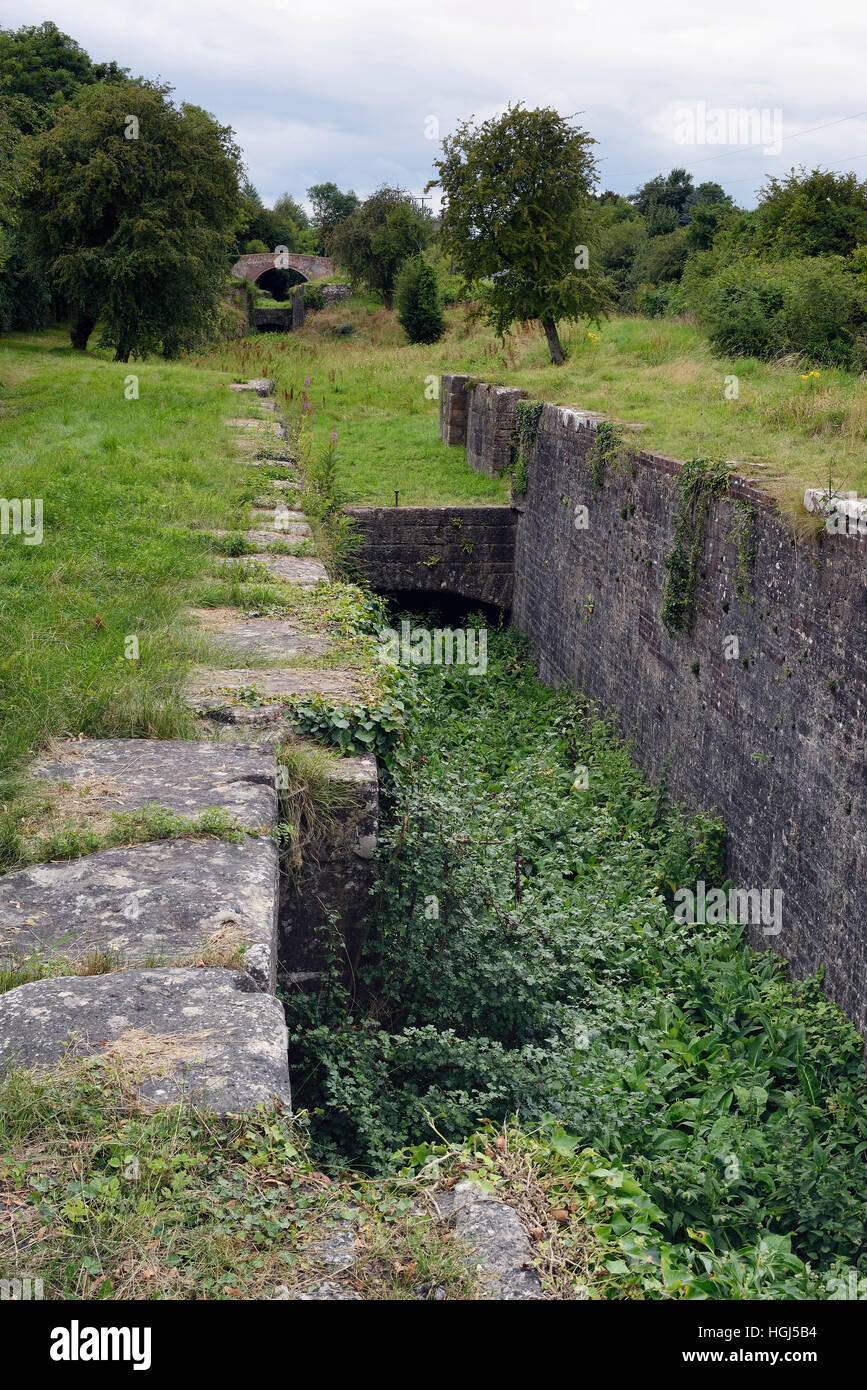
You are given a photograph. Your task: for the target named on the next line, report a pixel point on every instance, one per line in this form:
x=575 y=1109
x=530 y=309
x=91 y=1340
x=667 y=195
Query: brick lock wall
x=468 y=551
x=774 y=739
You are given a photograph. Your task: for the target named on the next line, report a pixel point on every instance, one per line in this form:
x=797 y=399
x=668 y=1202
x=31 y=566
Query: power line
x=729 y=154
x=836 y=165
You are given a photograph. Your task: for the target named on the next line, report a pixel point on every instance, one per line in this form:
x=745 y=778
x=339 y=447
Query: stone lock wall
x=772 y=739
x=334 y=294
x=490 y=416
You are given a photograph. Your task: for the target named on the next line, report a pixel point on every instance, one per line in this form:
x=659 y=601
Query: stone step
x=169 y=902
x=258 y=384
x=258 y=695
x=287 y=485
x=293 y=533
x=269 y=637
x=179 y=1035
x=282 y=520
x=294 y=569
x=270 y=462
x=268 y=427
x=125 y=774
x=260 y=540
x=497 y=1244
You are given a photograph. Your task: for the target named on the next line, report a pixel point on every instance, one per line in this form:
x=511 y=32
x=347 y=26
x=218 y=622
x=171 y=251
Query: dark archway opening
x=444 y=609
x=279 y=283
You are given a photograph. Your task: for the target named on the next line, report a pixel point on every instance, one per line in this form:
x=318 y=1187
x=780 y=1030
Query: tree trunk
x=80 y=332
x=554 y=347
x=121 y=354
x=389 y=299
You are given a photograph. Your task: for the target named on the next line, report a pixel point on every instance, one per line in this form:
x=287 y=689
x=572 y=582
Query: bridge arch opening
x=279 y=283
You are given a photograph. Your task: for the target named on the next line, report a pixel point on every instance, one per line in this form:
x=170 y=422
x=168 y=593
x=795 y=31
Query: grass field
x=374 y=388
x=125 y=484
x=128 y=484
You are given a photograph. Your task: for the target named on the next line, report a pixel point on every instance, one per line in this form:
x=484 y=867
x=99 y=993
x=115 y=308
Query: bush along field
x=525 y=961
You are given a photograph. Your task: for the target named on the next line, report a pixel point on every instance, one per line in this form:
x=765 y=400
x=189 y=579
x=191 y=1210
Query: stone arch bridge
x=277 y=271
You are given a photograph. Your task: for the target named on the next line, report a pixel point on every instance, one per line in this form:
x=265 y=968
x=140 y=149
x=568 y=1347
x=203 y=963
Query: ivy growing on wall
x=698 y=482
x=743 y=535
x=527 y=417
x=607 y=445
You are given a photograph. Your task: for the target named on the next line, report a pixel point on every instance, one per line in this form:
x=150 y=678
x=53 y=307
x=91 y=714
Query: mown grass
x=129 y=488
x=371 y=386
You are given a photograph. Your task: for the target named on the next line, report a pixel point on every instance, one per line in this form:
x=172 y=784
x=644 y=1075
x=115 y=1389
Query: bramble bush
x=815 y=307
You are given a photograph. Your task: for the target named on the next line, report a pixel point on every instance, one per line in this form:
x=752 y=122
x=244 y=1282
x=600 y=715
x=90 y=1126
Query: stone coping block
x=163 y=903
x=276 y=511
x=203 y=1035
x=294 y=569
x=269 y=462
x=498 y=1246
x=260 y=384
x=221 y=694
x=270 y=427
x=290 y=532
x=127 y=774
x=844 y=512
x=274 y=637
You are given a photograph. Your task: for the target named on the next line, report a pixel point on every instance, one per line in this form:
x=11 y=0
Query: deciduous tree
x=133 y=211
x=373 y=243
x=519 y=217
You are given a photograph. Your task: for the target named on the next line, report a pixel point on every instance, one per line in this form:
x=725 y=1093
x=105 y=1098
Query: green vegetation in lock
x=527 y=959
x=606 y=450
x=527 y=417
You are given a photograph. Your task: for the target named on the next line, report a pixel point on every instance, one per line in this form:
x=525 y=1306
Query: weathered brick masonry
x=468 y=551
x=773 y=740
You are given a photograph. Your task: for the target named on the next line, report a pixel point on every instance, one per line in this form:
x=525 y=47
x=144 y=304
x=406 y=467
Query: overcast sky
x=346 y=89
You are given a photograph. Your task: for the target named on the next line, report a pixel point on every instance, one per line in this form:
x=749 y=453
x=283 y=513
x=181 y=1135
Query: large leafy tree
x=42 y=68
x=519 y=210
x=664 y=200
x=136 y=231
x=330 y=208
x=25 y=301
x=375 y=240
x=283 y=225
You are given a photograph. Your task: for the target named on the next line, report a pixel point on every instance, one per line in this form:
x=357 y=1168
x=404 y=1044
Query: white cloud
x=341 y=90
